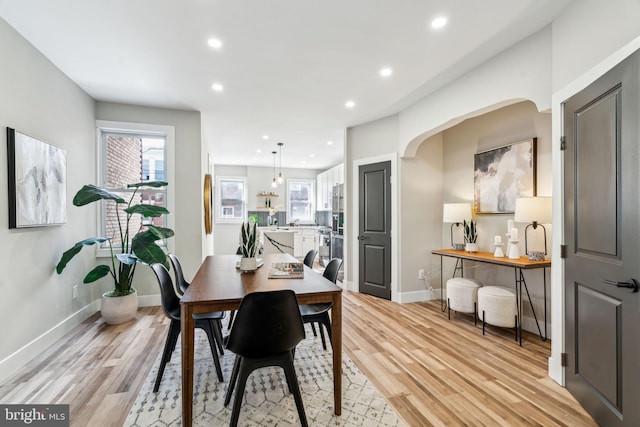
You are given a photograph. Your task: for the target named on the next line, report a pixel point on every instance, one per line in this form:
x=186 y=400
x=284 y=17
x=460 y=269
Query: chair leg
x=292 y=379
x=232 y=314
x=448 y=309
x=243 y=375
x=169 y=345
x=217 y=332
x=324 y=343
x=313 y=328
x=208 y=328
x=327 y=325
x=516 y=327
x=232 y=381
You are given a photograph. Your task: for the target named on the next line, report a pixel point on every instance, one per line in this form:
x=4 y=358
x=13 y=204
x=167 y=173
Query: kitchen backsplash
x=323 y=218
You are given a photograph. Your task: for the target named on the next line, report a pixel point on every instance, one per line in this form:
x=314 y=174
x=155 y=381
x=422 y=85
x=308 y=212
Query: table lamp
x=534 y=210
x=456 y=213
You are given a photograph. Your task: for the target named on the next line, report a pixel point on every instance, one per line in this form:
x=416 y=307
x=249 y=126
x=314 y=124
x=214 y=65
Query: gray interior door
x=602 y=234
x=374 y=226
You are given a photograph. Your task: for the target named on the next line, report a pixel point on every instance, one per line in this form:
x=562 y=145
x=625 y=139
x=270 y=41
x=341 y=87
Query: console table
x=518 y=265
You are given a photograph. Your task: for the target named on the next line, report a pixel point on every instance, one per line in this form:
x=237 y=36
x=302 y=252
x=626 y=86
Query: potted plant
x=470 y=236
x=121 y=303
x=248 y=246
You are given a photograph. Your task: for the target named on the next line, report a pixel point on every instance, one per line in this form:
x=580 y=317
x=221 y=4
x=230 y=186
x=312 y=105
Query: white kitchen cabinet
x=297 y=244
x=309 y=240
x=325 y=182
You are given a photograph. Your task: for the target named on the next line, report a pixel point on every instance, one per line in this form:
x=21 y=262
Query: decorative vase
x=471 y=247
x=117 y=310
x=248 y=264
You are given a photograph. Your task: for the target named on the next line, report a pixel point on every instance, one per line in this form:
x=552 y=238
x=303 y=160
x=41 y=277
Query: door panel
x=602 y=234
x=374 y=226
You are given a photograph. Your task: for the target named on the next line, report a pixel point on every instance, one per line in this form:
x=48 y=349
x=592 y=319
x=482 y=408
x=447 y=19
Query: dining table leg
x=336 y=344
x=187 y=332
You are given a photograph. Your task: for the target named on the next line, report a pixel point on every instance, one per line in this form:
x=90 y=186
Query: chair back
x=309 y=257
x=177 y=271
x=332 y=269
x=169 y=299
x=266 y=324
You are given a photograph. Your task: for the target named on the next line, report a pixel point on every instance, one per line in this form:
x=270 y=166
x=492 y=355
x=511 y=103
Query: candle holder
x=513 y=251
x=498 y=253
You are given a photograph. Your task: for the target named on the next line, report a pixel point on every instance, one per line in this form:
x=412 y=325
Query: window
x=232 y=199
x=300 y=197
x=131 y=153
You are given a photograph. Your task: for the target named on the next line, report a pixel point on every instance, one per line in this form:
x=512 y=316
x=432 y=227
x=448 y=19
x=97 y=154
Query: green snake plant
x=249 y=239
x=470 y=231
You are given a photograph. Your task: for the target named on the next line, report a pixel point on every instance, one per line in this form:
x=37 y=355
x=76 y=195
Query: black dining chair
x=319 y=313
x=171 y=308
x=265 y=332
x=182 y=285
x=310 y=257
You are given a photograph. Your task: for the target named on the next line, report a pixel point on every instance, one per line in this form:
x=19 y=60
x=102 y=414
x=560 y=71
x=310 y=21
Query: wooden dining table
x=219 y=286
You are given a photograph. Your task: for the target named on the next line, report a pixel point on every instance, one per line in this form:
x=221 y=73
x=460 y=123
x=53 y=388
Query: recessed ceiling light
x=265 y=136
x=312 y=155
x=350 y=104
x=217 y=87
x=304 y=163
x=386 y=72
x=329 y=142
x=215 y=43
x=258 y=151
x=439 y=22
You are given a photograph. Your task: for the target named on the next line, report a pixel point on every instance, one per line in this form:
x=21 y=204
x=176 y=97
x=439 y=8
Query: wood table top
x=522 y=262
x=218 y=279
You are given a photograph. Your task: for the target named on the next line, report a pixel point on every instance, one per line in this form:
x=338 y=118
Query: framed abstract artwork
x=502 y=175
x=37 y=182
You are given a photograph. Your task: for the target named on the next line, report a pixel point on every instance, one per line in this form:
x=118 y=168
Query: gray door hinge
x=564 y=359
x=563 y=143
x=563 y=251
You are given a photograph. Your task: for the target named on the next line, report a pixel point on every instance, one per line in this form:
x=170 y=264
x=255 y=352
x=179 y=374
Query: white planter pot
x=471 y=247
x=117 y=310
x=248 y=264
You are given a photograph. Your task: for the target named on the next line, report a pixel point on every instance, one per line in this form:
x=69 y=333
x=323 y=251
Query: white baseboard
x=417 y=296
x=349 y=286
x=12 y=363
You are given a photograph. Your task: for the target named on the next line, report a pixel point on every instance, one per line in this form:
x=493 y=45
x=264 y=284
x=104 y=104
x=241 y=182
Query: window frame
x=168 y=133
x=312 y=199
x=220 y=219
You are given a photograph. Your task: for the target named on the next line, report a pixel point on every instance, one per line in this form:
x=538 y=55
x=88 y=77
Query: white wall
x=189 y=225
x=39 y=100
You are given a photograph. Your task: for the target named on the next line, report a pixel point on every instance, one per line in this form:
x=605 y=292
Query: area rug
x=267 y=401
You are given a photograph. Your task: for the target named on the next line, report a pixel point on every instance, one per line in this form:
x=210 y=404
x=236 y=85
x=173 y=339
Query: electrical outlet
x=75 y=292
x=420 y=274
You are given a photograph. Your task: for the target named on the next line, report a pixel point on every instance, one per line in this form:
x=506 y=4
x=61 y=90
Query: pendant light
x=280 y=178
x=274 y=183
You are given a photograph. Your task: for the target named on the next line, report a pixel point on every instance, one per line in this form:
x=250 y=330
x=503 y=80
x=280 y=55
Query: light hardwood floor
x=433 y=371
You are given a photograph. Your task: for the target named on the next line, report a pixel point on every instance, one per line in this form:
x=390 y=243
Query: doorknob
x=362 y=237
x=631 y=284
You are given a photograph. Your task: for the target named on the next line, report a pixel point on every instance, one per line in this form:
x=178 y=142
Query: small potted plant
x=248 y=246
x=120 y=304
x=470 y=236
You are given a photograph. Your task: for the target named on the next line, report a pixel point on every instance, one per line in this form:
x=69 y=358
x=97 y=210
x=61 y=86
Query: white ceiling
x=287 y=66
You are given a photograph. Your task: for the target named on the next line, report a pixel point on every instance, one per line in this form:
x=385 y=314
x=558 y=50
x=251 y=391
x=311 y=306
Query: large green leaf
x=97 y=273
x=69 y=254
x=150 y=211
x=148 y=251
x=90 y=193
x=128 y=259
x=160 y=232
x=154 y=184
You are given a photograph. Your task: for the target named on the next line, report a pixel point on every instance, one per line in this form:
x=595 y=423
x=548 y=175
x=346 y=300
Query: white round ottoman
x=497 y=306
x=462 y=295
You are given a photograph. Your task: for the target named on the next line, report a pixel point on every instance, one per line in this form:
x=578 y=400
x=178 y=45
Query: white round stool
x=497 y=306
x=462 y=296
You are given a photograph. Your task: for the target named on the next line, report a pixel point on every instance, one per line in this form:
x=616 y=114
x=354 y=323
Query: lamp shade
x=456 y=212
x=530 y=209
